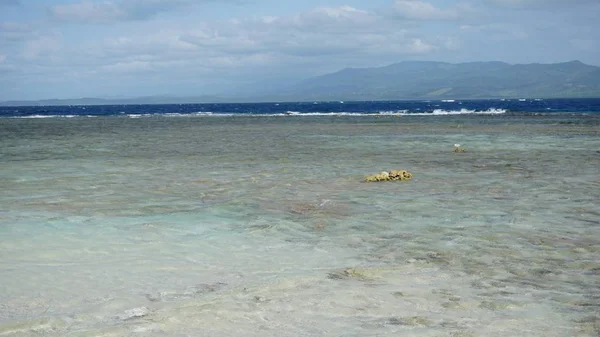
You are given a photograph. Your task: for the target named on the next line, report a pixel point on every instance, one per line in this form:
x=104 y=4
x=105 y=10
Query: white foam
x=178 y=114
x=442 y=112
x=39 y=116
x=53 y=116
x=397 y=112
x=490 y=111
x=435 y=112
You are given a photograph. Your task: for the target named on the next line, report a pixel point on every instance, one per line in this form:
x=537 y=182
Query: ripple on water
x=219 y=228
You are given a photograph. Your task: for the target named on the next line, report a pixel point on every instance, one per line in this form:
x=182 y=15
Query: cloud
x=322 y=31
x=496 y=31
x=22 y=42
x=418 y=46
x=186 y=55
x=112 y=11
x=42 y=48
x=14 y=32
x=104 y=12
x=308 y=43
x=419 y=10
x=541 y=4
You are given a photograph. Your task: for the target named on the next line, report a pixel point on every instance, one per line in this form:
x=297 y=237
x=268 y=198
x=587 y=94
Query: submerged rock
x=458 y=149
x=393 y=175
x=410 y=321
x=192 y=292
x=134 y=313
x=35 y=327
x=352 y=273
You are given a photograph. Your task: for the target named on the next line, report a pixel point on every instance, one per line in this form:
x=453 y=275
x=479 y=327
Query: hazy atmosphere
x=127 y=48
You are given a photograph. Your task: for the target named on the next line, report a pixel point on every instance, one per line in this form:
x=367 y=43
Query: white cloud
x=541 y=4
x=420 y=10
x=172 y=50
x=497 y=31
x=129 y=66
x=324 y=39
x=452 y=43
x=90 y=12
x=331 y=19
x=305 y=44
x=112 y=11
x=419 y=47
x=26 y=43
x=42 y=48
x=323 y=31
x=15 y=32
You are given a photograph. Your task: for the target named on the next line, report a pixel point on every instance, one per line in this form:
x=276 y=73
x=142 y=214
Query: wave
x=435 y=112
x=490 y=111
x=442 y=112
x=179 y=114
x=53 y=116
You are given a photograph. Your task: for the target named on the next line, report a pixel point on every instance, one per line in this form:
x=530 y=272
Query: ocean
x=255 y=220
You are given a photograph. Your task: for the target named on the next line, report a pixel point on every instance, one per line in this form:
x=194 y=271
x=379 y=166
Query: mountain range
x=408 y=80
x=438 y=80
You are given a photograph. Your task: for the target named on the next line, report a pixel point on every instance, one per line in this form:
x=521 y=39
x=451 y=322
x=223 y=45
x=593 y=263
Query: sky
x=132 y=48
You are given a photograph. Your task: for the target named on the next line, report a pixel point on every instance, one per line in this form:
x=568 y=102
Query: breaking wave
x=314 y=109
x=435 y=112
x=52 y=116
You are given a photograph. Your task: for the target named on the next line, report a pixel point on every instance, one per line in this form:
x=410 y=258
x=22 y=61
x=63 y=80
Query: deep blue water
x=433 y=107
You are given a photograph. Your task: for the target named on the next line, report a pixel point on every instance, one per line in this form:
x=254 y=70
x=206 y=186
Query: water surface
x=262 y=226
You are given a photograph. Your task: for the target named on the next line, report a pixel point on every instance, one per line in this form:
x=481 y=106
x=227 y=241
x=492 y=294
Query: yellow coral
x=391 y=175
x=400 y=175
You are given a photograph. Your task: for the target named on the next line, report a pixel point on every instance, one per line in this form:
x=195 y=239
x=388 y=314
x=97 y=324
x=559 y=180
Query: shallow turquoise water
x=262 y=226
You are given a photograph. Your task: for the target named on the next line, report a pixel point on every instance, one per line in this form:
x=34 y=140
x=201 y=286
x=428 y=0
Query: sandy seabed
x=263 y=226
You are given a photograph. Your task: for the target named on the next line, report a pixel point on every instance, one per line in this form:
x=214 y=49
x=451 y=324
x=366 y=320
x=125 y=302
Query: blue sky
x=129 y=48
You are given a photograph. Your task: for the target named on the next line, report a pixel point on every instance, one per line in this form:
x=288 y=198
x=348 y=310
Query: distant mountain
x=439 y=80
x=118 y=101
x=400 y=81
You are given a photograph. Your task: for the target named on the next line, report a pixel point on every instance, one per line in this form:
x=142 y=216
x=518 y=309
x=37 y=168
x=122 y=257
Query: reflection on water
x=263 y=227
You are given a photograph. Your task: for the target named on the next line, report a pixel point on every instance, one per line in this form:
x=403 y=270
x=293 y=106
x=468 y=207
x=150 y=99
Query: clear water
x=262 y=226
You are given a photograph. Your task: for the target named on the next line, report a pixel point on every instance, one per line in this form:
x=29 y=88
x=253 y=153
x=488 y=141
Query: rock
x=134 y=313
x=34 y=327
x=411 y=321
x=393 y=175
x=458 y=149
x=350 y=273
x=400 y=175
